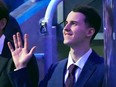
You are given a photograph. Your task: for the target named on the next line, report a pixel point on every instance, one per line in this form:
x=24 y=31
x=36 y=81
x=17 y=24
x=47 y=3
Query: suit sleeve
x=20 y=78
x=26 y=77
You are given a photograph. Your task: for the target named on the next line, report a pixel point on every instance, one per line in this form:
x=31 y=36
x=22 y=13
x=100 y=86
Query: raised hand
x=20 y=54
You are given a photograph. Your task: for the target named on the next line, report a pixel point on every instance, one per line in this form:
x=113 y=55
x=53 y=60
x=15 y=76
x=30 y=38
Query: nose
x=67 y=27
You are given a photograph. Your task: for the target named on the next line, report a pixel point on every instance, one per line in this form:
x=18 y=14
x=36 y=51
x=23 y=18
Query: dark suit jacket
x=12 y=28
x=7 y=69
x=92 y=74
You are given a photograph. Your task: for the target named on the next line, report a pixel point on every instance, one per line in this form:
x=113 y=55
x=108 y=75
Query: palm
x=20 y=54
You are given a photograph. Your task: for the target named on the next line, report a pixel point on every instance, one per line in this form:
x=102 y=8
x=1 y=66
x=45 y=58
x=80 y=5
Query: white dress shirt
x=80 y=63
x=2 y=39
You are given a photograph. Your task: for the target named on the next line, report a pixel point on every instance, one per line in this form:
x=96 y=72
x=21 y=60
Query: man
x=9 y=26
x=8 y=31
x=4 y=16
x=7 y=66
x=82 y=24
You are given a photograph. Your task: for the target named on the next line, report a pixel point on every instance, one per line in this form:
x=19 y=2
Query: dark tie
x=71 y=77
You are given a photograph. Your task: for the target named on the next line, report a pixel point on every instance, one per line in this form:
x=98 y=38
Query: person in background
x=9 y=30
x=7 y=65
x=9 y=27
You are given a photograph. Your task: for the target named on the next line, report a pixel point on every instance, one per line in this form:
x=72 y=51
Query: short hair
x=4 y=12
x=93 y=19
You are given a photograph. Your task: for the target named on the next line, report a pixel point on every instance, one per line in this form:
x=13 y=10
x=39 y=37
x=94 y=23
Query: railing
x=50 y=34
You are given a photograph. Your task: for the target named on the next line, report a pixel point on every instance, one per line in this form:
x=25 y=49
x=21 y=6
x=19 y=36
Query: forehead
x=75 y=16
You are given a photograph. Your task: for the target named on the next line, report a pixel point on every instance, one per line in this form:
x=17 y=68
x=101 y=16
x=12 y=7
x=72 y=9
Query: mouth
x=69 y=34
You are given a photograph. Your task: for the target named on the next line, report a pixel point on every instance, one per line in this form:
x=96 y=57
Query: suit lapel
x=62 y=69
x=87 y=71
x=57 y=79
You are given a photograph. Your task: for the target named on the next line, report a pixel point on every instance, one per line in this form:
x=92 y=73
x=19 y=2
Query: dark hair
x=4 y=13
x=92 y=17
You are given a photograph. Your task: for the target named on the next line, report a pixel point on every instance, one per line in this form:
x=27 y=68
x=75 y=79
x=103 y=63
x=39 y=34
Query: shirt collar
x=82 y=60
x=2 y=38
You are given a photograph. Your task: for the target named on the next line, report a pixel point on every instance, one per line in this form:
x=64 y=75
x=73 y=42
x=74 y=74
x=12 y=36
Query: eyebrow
x=71 y=21
x=74 y=22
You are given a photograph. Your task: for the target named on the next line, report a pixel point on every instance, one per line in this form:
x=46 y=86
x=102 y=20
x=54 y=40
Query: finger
x=19 y=40
x=30 y=54
x=15 y=41
x=26 y=41
x=10 y=47
x=32 y=50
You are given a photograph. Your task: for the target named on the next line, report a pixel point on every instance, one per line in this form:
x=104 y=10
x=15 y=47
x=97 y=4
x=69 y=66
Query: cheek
x=79 y=34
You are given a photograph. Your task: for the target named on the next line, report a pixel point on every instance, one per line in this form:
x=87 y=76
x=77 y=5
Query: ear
x=90 y=32
x=3 y=23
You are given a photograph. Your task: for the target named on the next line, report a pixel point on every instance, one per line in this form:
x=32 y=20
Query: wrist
x=20 y=66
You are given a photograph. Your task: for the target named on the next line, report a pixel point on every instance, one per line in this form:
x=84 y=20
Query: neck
x=76 y=53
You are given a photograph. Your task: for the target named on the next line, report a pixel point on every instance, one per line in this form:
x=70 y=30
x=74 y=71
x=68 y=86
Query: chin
x=66 y=43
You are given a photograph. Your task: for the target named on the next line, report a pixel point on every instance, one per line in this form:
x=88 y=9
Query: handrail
x=50 y=37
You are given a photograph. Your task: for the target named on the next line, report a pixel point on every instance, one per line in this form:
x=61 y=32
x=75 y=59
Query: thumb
x=32 y=50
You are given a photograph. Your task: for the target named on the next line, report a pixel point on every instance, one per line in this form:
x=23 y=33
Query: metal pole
x=50 y=34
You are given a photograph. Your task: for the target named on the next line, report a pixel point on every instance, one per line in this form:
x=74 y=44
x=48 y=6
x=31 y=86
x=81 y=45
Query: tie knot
x=72 y=68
